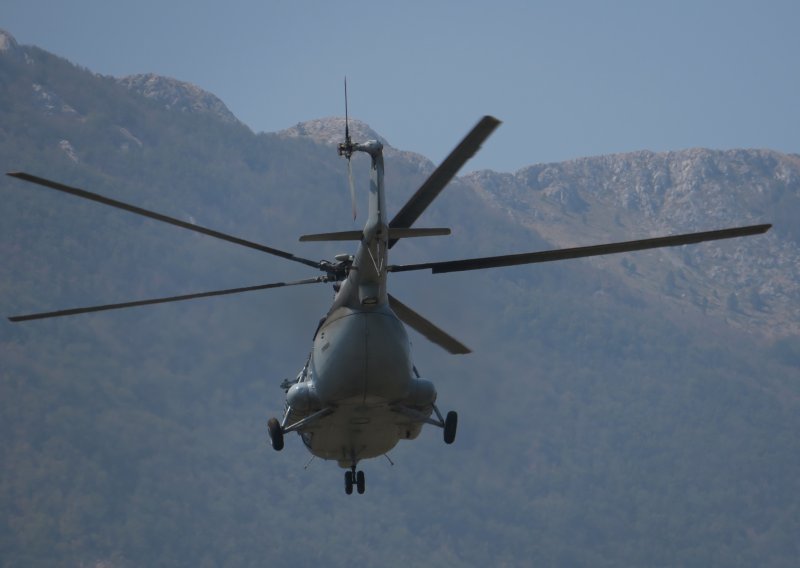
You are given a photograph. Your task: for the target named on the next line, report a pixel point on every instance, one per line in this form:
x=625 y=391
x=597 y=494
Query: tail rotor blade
x=352 y=187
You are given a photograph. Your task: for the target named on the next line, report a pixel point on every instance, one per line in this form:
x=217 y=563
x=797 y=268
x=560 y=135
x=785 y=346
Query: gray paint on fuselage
x=361 y=357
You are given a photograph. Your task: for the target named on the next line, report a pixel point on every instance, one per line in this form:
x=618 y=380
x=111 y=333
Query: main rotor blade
x=158 y=217
x=580 y=252
x=86 y=310
x=427 y=329
x=443 y=174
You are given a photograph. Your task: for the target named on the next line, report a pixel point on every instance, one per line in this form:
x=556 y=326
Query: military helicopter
x=358 y=393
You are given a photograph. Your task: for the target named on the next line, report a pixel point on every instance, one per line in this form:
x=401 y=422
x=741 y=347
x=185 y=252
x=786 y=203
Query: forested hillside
x=608 y=416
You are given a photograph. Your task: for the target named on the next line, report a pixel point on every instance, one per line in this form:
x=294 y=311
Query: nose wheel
x=354 y=478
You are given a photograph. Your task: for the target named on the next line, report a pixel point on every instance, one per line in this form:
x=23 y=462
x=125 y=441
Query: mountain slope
x=606 y=419
x=754 y=284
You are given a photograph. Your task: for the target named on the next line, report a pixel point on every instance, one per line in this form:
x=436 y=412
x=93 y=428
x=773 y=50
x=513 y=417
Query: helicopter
x=359 y=393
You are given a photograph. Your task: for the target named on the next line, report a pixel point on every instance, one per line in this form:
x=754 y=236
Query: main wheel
x=450 y=426
x=275 y=434
x=348 y=482
x=360 y=483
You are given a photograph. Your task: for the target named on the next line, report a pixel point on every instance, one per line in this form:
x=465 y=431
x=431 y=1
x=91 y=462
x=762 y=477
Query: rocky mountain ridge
x=8 y=44
x=644 y=194
x=171 y=93
x=178 y=95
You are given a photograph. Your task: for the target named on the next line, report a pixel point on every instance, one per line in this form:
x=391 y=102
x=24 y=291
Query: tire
x=360 y=482
x=348 y=482
x=275 y=434
x=450 y=426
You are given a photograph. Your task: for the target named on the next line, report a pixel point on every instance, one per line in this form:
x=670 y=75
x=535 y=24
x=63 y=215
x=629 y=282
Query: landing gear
x=450 y=426
x=275 y=434
x=356 y=478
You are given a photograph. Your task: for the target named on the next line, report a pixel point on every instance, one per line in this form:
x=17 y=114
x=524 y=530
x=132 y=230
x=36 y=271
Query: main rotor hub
x=338 y=270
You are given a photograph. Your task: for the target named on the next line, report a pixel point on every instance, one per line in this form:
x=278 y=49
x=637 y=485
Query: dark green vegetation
x=598 y=426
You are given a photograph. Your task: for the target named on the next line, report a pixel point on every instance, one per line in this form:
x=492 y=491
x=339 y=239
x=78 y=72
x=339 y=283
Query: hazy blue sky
x=568 y=78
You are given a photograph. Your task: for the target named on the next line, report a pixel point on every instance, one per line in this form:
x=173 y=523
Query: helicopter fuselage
x=361 y=368
x=359 y=382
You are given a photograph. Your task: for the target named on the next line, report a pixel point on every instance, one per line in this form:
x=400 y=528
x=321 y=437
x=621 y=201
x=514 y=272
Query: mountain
x=610 y=198
x=178 y=95
x=9 y=46
x=637 y=409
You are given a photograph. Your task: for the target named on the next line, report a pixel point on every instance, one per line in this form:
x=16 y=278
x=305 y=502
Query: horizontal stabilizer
x=401 y=233
x=337 y=236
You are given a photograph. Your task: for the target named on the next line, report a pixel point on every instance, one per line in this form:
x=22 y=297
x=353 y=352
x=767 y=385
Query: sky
x=567 y=78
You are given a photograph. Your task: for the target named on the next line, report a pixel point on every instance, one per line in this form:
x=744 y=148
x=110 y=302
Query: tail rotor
x=346 y=150
x=352 y=187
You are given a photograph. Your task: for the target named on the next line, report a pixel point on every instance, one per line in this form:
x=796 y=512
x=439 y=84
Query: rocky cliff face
x=178 y=95
x=753 y=281
x=10 y=49
x=9 y=45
